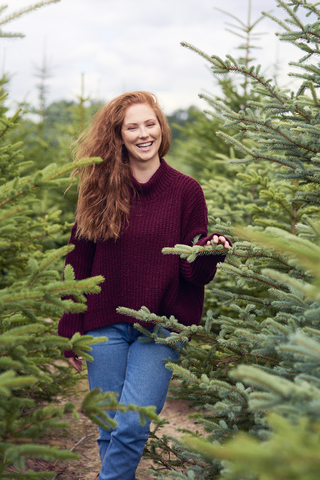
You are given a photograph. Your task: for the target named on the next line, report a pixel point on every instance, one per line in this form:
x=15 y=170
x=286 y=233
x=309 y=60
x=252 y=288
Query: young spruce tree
x=32 y=371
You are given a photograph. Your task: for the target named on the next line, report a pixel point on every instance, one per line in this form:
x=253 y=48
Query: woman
x=131 y=206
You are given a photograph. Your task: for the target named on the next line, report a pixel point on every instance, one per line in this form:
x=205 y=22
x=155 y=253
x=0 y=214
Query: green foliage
x=34 y=374
x=47 y=134
x=31 y=291
x=178 y=120
x=32 y=299
x=291 y=452
x=14 y=15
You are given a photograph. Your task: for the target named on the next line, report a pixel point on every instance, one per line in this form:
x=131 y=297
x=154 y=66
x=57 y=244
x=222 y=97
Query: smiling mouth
x=145 y=145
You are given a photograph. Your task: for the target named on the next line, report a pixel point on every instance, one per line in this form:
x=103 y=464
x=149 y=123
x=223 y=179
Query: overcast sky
x=123 y=45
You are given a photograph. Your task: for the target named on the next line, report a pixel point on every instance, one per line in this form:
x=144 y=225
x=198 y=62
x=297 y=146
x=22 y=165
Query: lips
x=145 y=145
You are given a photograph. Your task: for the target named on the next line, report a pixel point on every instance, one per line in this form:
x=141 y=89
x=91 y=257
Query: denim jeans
x=136 y=371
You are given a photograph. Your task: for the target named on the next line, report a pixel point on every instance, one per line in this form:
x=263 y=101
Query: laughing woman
x=131 y=206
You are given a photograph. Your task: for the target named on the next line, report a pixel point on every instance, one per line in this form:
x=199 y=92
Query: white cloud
x=123 y=44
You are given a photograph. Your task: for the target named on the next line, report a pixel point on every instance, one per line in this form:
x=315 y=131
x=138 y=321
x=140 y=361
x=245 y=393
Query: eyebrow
x=133 y=123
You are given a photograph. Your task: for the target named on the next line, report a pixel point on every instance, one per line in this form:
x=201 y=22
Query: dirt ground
x=80 y=437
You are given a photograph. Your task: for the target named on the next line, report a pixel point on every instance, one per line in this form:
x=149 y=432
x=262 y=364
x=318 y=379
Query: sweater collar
x=159 y=181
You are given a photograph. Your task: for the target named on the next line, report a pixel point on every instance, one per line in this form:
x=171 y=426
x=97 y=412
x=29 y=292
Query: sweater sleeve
x=203 y=269
x=195 y=222
x=81 y=259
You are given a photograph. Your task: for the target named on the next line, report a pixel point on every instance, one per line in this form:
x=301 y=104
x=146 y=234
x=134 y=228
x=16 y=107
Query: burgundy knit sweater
x=169 y=209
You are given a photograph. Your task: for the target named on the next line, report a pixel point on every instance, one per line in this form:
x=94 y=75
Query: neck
x=143 y=172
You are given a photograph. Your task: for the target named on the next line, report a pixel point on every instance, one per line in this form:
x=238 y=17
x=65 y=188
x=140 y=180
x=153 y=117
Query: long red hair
x=105 y=190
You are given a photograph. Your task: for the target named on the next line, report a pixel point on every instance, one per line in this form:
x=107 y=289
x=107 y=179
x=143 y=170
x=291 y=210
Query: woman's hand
x=219 y=240
x=76 y=363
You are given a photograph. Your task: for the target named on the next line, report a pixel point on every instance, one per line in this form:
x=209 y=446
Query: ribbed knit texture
x=169 y=209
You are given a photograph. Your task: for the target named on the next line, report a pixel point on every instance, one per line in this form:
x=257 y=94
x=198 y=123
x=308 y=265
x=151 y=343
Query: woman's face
x=141 y=134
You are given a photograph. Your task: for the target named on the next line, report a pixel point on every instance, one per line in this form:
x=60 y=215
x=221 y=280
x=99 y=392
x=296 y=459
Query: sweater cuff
x=203 y=269
x=69 y=354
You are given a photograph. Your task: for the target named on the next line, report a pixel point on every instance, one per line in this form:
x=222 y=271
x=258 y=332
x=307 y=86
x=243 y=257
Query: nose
x=143 y=132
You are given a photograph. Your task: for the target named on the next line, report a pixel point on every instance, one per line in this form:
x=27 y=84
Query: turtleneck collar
x=159 y=181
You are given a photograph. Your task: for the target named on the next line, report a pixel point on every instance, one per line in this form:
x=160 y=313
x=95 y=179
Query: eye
x=150 y=124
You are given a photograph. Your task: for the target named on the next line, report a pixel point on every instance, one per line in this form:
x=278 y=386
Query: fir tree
x=260 y=373
x=207 y=154
x=33 y=372
x=50 y=140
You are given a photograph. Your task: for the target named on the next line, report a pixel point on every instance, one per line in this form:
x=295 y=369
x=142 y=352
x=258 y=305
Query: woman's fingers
x=76 y=363
x=224 y=242
x=219 y=239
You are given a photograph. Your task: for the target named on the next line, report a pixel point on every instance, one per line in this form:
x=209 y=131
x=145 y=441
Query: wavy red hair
x=105 y=190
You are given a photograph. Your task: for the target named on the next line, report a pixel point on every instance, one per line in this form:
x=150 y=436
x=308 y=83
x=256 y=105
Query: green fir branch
x=23 y=11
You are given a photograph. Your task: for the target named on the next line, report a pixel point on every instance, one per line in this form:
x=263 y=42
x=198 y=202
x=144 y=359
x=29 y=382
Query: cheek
x=125 y=139
x=159 y=135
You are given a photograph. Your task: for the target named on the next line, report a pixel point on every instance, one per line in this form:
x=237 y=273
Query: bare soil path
x=81 y=438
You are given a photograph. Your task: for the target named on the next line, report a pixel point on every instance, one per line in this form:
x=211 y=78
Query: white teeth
x=145 y=144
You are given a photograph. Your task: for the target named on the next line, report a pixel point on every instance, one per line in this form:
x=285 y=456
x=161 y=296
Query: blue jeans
x=136 y=371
